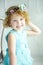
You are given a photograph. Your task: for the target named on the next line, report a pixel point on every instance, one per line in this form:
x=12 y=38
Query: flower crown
x=22 y=7
x=15 y=8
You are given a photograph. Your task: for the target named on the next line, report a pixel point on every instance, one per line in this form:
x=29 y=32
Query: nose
x=19 y=22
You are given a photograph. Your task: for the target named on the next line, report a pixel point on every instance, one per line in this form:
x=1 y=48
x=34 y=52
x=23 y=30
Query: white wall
x=35 y=9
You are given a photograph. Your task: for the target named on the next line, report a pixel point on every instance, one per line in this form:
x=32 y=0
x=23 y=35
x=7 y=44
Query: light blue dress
x=23 y=54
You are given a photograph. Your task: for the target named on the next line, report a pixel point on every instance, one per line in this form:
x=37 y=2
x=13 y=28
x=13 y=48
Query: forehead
x=15 y=16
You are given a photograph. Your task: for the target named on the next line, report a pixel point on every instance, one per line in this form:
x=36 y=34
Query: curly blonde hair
x=17 y=10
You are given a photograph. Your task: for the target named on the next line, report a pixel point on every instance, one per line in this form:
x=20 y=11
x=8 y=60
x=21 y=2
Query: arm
x=34 y=29
x=12 y=49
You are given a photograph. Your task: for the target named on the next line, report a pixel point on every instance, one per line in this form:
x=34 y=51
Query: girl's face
x=17 y=22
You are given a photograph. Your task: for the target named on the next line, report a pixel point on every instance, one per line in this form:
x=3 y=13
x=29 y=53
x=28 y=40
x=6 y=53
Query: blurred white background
x=35 y=9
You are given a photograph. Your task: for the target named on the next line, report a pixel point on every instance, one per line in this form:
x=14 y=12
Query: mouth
x=19 y=26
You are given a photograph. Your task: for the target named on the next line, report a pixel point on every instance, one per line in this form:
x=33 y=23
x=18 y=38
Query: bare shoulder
x=11 y=36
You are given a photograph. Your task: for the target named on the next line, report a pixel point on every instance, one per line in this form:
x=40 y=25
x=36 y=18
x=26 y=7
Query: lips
x=18 y=26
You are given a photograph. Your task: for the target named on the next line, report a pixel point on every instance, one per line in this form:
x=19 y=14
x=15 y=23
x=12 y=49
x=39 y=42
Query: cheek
x=12 y=24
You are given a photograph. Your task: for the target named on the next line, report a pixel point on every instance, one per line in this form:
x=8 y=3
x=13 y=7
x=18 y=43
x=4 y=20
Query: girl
x=18 y=52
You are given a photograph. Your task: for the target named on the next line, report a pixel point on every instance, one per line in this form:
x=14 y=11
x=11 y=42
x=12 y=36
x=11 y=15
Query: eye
x=14 y=20
x=21 y=19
